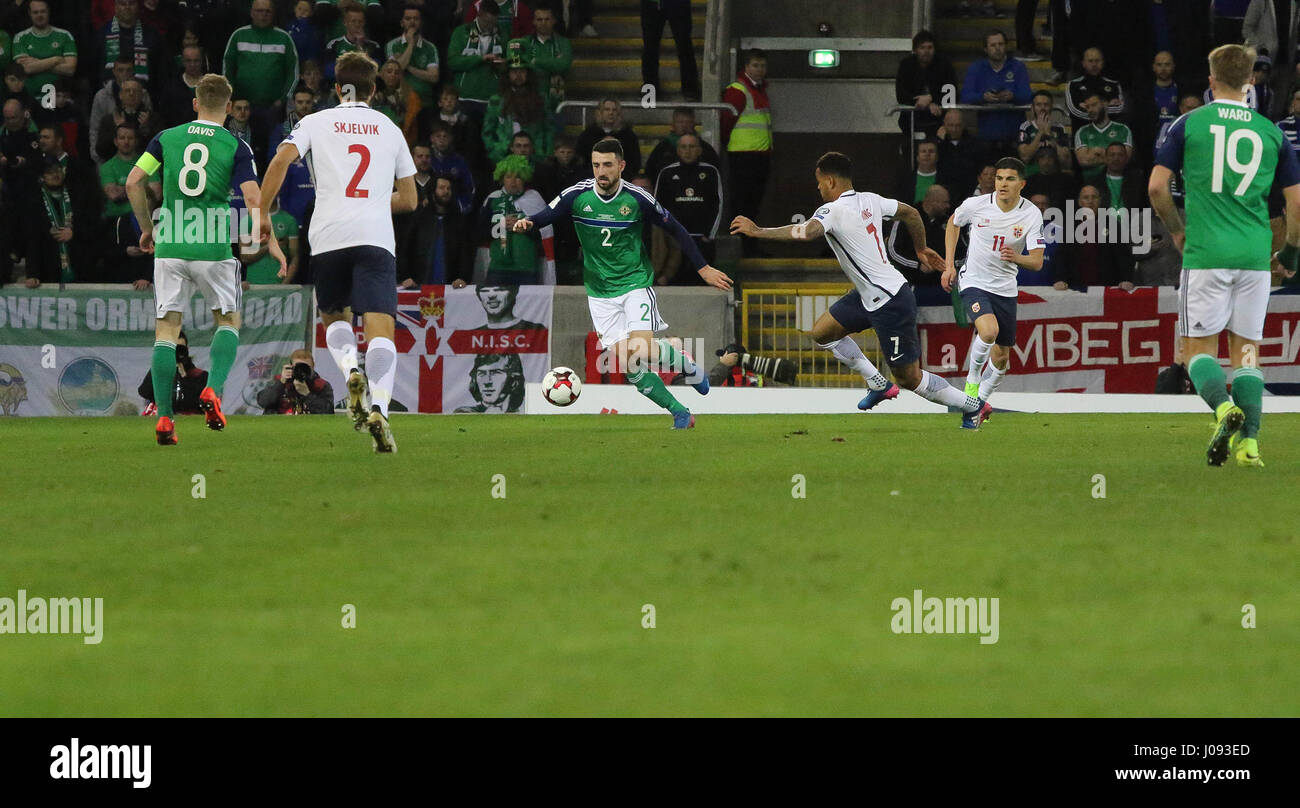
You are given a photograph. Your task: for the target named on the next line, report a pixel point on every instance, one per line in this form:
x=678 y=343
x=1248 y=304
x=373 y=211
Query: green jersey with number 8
x=201 y=162
x=1230 y=157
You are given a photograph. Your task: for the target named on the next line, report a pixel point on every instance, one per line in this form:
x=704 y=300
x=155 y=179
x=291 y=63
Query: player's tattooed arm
x=930 y=260
x=1162 y=200
x=810 y=230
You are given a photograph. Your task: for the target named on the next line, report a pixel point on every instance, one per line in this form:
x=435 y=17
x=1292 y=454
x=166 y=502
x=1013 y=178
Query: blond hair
x=213 y=92
x=1232 y=65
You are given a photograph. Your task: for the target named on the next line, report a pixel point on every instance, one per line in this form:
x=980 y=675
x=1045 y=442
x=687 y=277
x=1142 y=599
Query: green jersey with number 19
x=201 y=163
x=1230 y=157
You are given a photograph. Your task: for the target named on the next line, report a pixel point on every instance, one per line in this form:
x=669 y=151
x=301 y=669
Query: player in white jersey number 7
x=882 y=298
x=357 y=155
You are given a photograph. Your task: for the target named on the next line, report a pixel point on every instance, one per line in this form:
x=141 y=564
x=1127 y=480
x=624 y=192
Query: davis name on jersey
x=356 y=154
x=991 y=229
x=853 y=223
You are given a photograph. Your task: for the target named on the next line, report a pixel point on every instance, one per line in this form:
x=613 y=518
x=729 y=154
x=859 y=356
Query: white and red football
x=561 y=386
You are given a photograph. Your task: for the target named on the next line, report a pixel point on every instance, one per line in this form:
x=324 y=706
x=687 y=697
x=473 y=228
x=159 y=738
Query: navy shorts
x=894 y=322
x=979 y=302
x=363 y=278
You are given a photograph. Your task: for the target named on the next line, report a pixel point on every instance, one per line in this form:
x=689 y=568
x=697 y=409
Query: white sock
x=992 y=379
x=848 y=352
x=936 y=389
x=979 y=354
x=381 y=369
x=342 y=342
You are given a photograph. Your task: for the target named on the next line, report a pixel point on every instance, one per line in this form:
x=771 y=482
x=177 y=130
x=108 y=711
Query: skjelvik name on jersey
x=351 y=128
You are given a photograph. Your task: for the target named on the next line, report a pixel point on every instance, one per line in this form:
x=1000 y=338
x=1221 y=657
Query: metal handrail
x=586 y=105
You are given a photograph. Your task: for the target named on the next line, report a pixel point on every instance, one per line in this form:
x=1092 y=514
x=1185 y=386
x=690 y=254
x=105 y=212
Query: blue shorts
x=894 y=322
x=979 y=302
x=363 y=278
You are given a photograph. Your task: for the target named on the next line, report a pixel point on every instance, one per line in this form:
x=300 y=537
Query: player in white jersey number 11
x=1006 y=233
x=882 y=299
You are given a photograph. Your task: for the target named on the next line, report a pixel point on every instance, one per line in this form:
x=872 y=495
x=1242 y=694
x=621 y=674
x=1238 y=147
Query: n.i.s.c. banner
x=467 y=350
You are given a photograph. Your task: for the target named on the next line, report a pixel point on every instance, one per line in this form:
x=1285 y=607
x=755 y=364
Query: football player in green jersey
x=192 y=244
x=1230 y=157
x=608 y=216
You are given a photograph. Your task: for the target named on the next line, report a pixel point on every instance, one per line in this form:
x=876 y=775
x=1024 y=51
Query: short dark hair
x=357 y=70
x=993 y=33
x=565 y=140
x=489 y=7
x=923 y=36
x=836 y=165
x=609 y=145
x=755 y=53
x=1012 y=164
x=521 y=133
x=1044 y=93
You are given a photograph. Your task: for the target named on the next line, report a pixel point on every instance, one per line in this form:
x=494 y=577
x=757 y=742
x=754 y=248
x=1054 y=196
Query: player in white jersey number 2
x=356 y=154
x=1006 y=233
x=882 y=298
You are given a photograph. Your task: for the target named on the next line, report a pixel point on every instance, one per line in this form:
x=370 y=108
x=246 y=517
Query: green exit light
x=824 y=57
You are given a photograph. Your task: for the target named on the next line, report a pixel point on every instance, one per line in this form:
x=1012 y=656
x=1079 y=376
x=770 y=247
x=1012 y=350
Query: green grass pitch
x=765 y=604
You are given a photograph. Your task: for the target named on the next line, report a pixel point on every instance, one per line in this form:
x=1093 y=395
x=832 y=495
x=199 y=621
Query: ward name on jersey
x=356 y=154
x=1230 y=157
x=201 y=163
x=991 y=229
x=853 y=224
x=615 y=261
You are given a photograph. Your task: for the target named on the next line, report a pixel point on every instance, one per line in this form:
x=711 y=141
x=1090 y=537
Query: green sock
x=163 y=369
x=1248 y=393
x=671 y=358
x=1208 y=379
x=224 y=345
x=652 y=387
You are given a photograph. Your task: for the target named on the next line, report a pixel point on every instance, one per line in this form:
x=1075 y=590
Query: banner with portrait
x=467 y=350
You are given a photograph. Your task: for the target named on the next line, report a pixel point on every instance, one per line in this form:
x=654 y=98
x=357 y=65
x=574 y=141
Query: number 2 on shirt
x=352 y=189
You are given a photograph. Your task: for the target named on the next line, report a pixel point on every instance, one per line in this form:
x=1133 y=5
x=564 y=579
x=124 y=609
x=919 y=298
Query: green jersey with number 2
x=201 y=162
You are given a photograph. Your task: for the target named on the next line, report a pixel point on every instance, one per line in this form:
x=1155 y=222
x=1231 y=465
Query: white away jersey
x=356 y=153
x=853 y=225
x=991 y=229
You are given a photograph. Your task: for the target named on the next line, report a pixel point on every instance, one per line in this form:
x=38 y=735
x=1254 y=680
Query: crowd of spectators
x=474 y=85
x=1090 y=146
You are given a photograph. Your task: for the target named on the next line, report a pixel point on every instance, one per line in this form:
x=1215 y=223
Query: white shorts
x=176 y=279
x=1214 y=300
x=616 y=317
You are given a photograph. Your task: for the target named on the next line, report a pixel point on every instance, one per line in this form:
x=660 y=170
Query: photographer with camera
x=298 y=389
x=186 y=387
x=738 y=368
